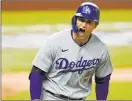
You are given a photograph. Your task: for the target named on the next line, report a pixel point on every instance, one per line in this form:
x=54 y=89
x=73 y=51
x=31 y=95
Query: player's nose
x=83 y=24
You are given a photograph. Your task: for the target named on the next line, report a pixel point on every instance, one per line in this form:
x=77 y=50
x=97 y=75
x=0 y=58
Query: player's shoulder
x=60 y=34
x=99 y=43
x=57 y=37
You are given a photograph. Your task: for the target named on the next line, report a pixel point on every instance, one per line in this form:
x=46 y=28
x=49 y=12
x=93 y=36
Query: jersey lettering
x=80 y=65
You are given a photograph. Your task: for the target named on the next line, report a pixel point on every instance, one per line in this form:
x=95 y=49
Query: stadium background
x=26 y=23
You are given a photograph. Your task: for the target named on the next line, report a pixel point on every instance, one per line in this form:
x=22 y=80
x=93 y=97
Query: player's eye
x=85 y=20
x=89 y=21
x=81 y=19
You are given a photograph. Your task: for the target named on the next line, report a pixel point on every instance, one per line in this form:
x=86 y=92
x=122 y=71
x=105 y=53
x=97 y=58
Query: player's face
x=85 y=27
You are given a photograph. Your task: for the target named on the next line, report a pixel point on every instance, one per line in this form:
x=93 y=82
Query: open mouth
x=81 y=30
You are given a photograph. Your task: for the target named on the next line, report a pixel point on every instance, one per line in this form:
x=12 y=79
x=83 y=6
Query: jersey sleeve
x=43 y=60
x=105 y=66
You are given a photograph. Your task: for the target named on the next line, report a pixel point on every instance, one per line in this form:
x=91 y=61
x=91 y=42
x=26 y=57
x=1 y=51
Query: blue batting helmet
x=87 y=10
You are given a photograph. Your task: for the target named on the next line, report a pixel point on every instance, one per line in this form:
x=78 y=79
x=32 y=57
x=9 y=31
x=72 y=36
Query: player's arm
x=102 y=87
x=102 y=77
x=41 y=64
x=36 y=78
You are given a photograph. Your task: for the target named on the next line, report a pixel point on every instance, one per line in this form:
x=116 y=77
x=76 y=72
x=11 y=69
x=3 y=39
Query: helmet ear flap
x=74 y=27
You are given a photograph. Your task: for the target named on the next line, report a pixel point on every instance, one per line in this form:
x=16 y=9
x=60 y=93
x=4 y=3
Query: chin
x=81 y=38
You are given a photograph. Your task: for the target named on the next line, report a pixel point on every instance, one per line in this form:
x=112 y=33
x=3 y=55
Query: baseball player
x=65 y=64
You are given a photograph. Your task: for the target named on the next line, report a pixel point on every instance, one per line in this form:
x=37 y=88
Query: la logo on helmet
x=86 y=10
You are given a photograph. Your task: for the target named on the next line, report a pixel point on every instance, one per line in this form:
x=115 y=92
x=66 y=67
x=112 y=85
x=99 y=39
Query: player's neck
x=78 y=40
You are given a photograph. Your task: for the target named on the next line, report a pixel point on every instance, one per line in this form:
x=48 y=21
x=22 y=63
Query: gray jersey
x=70 y=67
